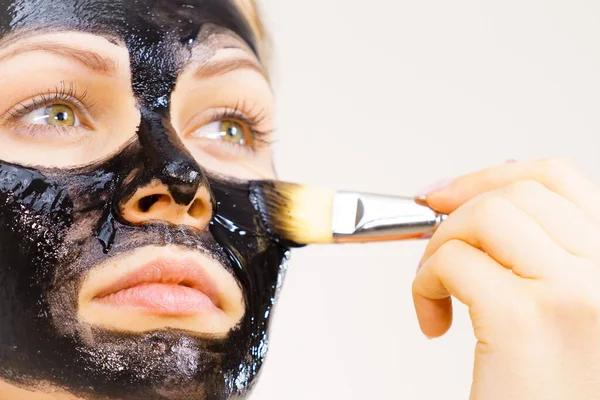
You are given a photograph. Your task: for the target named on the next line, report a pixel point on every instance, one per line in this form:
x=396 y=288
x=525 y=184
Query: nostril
x=145 y=203
x=196 y=209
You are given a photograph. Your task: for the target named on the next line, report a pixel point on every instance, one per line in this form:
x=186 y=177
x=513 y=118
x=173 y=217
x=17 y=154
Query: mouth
x=166 y=286
x=161 y=287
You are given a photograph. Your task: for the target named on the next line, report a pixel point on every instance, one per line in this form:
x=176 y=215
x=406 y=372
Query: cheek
x=34 y=213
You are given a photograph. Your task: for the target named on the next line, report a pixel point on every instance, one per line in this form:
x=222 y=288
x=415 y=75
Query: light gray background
x=387 y=96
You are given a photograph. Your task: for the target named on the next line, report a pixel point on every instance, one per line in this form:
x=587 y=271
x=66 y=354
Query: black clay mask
x=57 y=224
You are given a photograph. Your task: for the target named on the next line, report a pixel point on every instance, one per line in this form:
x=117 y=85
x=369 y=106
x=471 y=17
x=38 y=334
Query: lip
x=165 y=286
x=157 y=287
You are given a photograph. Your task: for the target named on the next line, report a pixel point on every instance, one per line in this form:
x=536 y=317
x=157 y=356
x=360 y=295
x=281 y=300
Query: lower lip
x=162 y=299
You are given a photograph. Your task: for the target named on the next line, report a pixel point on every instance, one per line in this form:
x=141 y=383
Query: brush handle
x=360 y=217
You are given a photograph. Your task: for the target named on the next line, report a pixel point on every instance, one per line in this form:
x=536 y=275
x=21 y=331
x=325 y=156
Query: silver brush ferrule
x=360 y=217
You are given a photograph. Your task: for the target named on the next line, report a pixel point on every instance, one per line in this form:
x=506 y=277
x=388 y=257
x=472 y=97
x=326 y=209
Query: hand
x=521 y=248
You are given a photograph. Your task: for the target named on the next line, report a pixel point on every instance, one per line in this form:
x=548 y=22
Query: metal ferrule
x=360 y=217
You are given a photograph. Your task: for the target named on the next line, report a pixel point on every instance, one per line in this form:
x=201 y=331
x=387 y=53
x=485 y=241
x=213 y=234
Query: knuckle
x=484 y=211
x=450 y=248
x=484 y=206
x=446 y=251
x=558 y=166
x=527 y=187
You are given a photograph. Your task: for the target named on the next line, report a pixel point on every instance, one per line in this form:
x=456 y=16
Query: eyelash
x=252 y=118
x=63 y=93
x=67 y=93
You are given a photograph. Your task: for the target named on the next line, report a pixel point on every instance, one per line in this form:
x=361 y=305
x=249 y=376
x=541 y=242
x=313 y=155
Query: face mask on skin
x=60 y=224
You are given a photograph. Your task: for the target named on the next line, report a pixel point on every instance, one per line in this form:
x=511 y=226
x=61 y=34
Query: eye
x=228 y=130
x=55 y=115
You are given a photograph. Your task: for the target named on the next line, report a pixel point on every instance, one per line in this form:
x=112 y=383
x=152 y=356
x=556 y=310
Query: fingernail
x=511 y=161
x=435 y=187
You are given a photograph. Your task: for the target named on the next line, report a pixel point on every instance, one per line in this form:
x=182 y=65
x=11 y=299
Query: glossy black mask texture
x=57 y=224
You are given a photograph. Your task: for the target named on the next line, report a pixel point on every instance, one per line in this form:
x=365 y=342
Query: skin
x=115 y=111
x=541 y=342
x=520 y=249
x=217 y=354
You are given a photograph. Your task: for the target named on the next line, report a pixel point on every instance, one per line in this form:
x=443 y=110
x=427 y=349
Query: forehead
x=135 y=22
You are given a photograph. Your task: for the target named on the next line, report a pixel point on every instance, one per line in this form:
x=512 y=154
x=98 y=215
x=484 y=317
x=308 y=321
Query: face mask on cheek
x=57 y=225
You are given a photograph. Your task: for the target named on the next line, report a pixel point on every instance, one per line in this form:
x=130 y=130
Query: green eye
x=55 y=115
x=227 y=130
x=232 y=131
x=60 y=115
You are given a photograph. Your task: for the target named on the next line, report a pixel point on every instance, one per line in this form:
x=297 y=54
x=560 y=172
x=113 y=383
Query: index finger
x=557 y=174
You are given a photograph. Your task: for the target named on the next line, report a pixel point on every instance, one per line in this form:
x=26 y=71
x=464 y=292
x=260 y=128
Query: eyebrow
x=108 y=66
x=221 y=67
x=88 y=59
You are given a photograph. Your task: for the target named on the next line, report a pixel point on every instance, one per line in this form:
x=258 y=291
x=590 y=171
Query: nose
x=170 y=186
x=154 y=202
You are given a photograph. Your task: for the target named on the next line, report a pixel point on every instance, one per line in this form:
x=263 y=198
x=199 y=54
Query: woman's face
x=132 y=262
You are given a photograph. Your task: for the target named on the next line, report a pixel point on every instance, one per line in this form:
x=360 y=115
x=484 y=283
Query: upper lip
x=186 y=272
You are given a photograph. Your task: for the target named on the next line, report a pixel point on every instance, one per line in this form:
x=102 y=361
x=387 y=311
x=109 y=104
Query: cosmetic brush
x=308 y=215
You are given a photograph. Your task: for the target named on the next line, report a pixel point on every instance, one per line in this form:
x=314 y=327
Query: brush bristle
x=300 y=214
